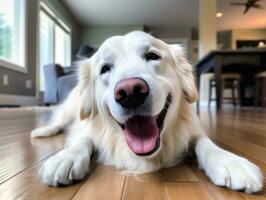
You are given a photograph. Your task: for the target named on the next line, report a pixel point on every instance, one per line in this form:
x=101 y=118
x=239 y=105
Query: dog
x=132 y=105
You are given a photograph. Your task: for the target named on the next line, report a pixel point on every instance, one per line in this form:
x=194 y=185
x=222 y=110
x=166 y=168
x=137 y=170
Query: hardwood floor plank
x=259 y=163
x=105 y=182
x=28 y=185
x=216 y=192
x=240 y=131
x=22 y=157
x=146 y=186
x=10 y=149
x=186 y=190
x=178 y=173
x=5 y=140
x=243 y=146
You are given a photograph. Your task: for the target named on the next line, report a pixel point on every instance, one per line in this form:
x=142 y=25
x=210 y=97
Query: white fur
x=95 y=116
x=227 y=169
x=70 y=164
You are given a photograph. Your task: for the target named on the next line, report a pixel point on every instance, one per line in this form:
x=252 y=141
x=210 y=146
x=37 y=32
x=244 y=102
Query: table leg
x=263 y=98
x=217 y=71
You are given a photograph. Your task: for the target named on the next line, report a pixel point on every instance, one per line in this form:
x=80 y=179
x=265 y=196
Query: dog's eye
x=105 y=68
x=152 y=56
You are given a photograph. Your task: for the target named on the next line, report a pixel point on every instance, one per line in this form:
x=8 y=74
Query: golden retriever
x=132 y=105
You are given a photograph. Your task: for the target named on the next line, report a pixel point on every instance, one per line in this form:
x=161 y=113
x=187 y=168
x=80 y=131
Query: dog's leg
x=62 y=117
x=227 y=169
x=69 y=165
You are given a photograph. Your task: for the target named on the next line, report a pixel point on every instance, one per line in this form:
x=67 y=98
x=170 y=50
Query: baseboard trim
x=6 y=99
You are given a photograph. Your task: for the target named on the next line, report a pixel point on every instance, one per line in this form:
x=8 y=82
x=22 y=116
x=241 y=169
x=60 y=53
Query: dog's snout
x=131 y=93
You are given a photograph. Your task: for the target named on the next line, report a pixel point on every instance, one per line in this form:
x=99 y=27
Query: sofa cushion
x=65 y=85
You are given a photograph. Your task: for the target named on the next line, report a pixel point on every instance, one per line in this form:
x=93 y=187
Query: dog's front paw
x=45 y=131
x=235 y=173
x=64 y=168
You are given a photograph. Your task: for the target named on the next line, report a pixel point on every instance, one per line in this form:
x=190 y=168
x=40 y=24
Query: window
x=54 y=42
x=12 y=34
x=62 y=47
x=46 y=44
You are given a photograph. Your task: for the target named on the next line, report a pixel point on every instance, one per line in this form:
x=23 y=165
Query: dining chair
x=228 y=81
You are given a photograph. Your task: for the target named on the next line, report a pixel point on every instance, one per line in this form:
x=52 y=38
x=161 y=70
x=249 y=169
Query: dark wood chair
x=229 y=81
x=260 y=96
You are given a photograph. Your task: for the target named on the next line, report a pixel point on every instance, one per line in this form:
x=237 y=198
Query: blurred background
x=40 y=40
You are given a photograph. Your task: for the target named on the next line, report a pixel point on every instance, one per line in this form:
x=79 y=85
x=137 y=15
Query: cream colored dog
x=132 y=106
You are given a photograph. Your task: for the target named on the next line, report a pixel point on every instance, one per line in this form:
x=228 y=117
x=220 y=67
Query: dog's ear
x=88 y=108
x=184 y=71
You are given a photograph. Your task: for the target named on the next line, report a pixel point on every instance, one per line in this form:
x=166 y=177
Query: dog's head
x=139 y=82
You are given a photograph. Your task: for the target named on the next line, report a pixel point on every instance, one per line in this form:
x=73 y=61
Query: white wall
x=247 y=34
x=173 y=33
x=207 y=27
x=96 y=35
x=207 y=41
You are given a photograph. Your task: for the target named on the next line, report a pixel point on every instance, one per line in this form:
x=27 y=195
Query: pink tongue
x=141 y=134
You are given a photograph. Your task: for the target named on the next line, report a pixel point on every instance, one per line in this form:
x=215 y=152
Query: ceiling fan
x=248 y=5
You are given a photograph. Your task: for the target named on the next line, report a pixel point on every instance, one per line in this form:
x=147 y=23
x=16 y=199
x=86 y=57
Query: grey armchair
x=59 y=81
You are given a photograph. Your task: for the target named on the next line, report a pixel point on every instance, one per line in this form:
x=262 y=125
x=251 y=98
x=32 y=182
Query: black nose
x=131 y=93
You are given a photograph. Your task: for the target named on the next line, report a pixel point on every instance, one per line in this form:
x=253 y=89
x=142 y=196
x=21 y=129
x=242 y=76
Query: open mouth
x=143 y=132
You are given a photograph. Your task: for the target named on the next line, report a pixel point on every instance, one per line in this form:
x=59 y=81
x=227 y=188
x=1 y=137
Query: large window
x=62 y=46
x=54 y=42
x=12 y=34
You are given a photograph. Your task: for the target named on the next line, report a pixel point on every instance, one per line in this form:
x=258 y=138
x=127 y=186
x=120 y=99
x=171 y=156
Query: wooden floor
x=243 y=132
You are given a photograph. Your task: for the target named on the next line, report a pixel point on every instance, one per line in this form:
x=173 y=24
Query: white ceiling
x=171 y=13
x=177 y=13
x=233 y=17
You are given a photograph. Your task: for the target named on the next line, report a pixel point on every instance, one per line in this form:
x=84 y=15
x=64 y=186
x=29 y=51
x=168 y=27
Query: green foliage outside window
x=5 y=38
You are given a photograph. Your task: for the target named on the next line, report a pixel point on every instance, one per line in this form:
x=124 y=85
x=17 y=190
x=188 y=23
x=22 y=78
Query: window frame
x=66 y=43
x=58 y=22
x=9 y=64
